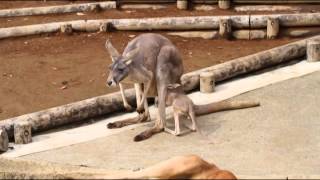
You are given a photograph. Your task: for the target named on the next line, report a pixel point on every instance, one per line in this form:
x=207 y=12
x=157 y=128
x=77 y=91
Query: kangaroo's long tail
x=223 y=106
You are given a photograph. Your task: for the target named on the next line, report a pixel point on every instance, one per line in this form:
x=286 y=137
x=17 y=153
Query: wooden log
x=182 y=4
x=275 y=1
x=207 y=82
x=248 y=64
x=313 y=50
x=266 y=8
x=225 y=28
x=70 y=113
x=173 y=23
x=272 y=28
x=57 y=9
x=95 y=8
x=196 y=34
x=66 y=29
x=143 y=6
x=224 y=4
x=22 y=132
x=249 y=34
x=299 y=32
x=4 y=141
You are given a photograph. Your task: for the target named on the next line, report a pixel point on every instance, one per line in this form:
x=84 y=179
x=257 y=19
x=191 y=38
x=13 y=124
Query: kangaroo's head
x=120 y=67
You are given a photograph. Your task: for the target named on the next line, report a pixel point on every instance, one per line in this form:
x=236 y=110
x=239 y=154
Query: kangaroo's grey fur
x=150 y=62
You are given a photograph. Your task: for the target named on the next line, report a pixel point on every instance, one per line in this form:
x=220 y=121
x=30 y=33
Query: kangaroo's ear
x=174 y=86
x=112 y=51
x=131 y=54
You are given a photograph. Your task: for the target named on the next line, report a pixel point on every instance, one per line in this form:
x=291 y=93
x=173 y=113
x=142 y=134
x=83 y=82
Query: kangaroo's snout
x=109 y=83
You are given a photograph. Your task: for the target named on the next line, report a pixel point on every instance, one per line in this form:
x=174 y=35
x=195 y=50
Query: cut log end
x=224 y=4
x=272 y=28
x=182 y=4
x=106 y=27
x=66 y=29
x=95 y=8
x=313 y=51
x=22 y=132
x=225 y=28
x=4 y=140
x=207 y=82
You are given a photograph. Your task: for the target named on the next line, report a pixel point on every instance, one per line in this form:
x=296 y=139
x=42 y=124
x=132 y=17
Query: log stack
x=251 y=22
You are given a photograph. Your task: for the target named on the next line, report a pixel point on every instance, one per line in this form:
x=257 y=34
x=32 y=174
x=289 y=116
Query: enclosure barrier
x=249 y=34
x=223 y=4
x=167 y=23
x=107 y=104
x=58 y=9
x=113 y=4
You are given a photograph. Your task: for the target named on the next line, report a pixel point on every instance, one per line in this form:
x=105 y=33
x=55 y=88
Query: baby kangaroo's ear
x=173 y=86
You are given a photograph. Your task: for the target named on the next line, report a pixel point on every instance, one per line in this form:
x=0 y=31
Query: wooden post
x=106 y=27
x=66 y=29
x=182 y=4
x=272 y=28
x=22 y=132
x=313 y=51
x=225 y=28
x=95 y=8
x=4 y=140
x=224 y=4
x=207 y=83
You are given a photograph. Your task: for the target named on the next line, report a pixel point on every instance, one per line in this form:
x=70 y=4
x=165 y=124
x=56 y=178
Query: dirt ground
x=39 y=72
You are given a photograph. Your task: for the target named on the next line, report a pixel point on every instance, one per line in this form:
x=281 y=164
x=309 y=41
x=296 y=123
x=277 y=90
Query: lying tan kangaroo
x=183 y=106
x=179 y=167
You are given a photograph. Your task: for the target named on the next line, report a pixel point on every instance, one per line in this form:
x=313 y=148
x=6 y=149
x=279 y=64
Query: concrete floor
x=279 y=139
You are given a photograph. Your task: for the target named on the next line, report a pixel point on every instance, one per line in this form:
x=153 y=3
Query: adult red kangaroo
x=151 y=62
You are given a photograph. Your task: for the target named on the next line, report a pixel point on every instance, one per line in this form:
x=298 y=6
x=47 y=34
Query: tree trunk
x=57 y=9
x=313 y=50
x=248 y=64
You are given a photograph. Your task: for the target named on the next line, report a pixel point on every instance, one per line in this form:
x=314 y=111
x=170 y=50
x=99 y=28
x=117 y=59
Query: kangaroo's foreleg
x=147 y=85
x=138 y=90
x=139 y=94
x=126 y=105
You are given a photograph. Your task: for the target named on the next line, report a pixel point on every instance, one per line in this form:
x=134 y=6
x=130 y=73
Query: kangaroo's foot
x=139 y=119
x=128 y=108
x=147 y=133
x=175 y=132
x=140 y=109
